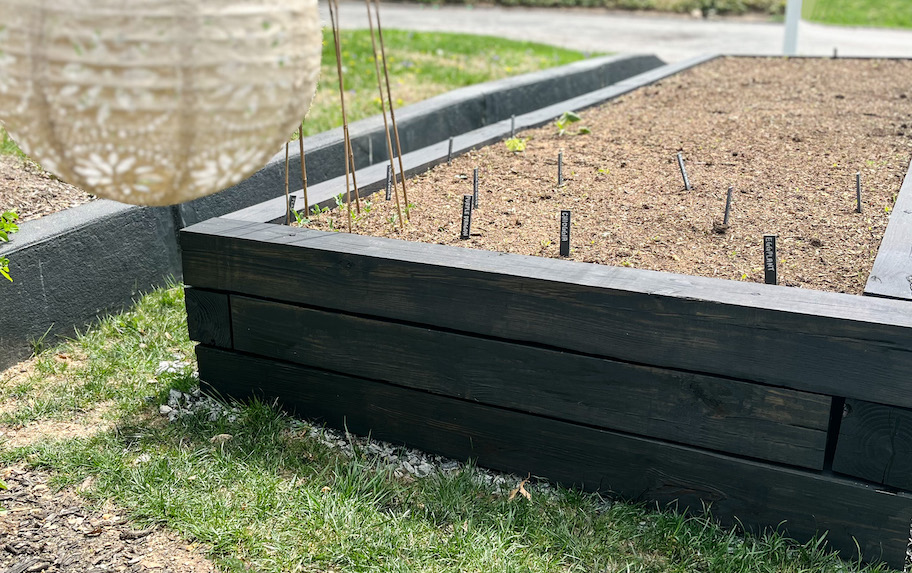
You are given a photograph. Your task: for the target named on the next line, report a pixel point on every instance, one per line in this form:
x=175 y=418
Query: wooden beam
x=826 y=343
x=891 y=275
x=208 y=317
x=875 y=444
x=747 y=419
x=759 y=495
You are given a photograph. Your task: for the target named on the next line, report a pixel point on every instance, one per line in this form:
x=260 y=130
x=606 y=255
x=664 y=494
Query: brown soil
x=49 y=530
x=787 y=135
x=33 y=192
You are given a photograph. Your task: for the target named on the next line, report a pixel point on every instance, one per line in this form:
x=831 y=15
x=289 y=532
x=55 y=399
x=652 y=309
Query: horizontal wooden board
x=891 y=275
x=747 y=419
x=825 y=343
x=875 y=444
x=208 y=317
x=758 y=494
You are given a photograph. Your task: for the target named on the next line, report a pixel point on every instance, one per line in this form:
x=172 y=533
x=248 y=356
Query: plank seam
x=525 y=343
x=524 y=412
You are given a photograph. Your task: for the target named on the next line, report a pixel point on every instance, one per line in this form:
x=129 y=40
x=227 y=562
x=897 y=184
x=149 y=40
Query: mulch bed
x=787 y=134
x=49 y=530
x=32 y=192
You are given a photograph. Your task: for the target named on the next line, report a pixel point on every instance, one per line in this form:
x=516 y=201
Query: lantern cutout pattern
x=156 y=102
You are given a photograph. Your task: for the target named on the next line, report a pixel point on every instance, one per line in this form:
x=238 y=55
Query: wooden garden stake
x=345 y=144
x=450 y=152
x=560 y=168
x=287 y=202
x=391 y=168
x=466 y=228
x=683 y=171
x=389 y=97
x=858 y=192
x=769 y=260
x=351 y=157
x=475 y=188
x=728 y=206
x=565 y=233
x=303 y=167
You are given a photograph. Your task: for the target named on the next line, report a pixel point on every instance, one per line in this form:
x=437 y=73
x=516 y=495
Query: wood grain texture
x=747 y=419
x=759 y=495
x=875 y=444
x=208 y=317
x=891 y=275
x=813 y=341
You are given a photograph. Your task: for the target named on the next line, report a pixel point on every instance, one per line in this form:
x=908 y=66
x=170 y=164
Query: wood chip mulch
x=46 y=530
x=33 y=192
x=788 y=135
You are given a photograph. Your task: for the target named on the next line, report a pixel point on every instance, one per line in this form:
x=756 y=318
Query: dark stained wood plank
x=747 y=419
x=820 y=342
x=759 y=495
x=891 y=275
x=875 y=444
x=208 y=317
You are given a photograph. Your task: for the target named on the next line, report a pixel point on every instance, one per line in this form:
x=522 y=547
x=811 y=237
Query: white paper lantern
x=156 y=102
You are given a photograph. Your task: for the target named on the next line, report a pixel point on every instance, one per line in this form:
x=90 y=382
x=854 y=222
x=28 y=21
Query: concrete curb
x=73 y=266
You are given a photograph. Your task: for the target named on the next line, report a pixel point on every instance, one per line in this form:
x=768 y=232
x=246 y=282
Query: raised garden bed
x=774 y=404
x=73 y=265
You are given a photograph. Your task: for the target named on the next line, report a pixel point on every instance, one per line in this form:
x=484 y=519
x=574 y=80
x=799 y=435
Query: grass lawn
x=421 y=65
x=274 y=497
x=871 y=13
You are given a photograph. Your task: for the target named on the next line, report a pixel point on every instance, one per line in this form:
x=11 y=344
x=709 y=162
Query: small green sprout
x=516 y=144
x=564 y=121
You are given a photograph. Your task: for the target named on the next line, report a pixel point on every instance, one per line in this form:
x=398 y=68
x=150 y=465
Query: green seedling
x=564 y=121
x=301 y=219
x=516 y=144
x=7 y=228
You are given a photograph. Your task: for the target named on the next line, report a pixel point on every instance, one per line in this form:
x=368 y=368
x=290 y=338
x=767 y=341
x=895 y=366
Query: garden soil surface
x=788 y=135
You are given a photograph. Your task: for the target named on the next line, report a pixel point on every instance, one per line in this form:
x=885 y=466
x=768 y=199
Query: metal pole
x=792 y=15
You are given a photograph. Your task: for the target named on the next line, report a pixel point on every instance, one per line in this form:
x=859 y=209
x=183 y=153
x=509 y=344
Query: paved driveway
x=671 y=37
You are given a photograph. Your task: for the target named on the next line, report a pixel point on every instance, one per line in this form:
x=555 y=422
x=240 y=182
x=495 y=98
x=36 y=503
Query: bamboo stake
x=389 y=144
x=351 y=156
x=335 y=29
x=303 y=169
x=287 y=200
x=389 y=97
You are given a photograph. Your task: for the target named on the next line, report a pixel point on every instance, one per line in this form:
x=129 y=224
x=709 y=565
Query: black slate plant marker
x=450 y=152
x=560 y=168
x=389 y=182
x=475 y=188
x=769 y=259
x=728 y=207
x=512 y=126
x=565 y=233
x=291 y=203
x=683 y=171
x=858 y=192
x=466 y=217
